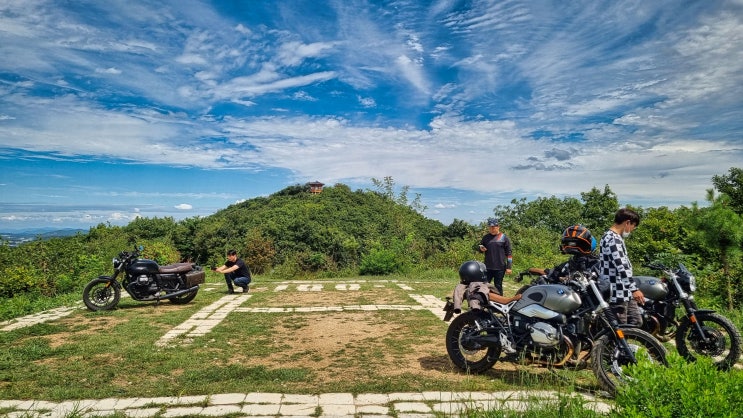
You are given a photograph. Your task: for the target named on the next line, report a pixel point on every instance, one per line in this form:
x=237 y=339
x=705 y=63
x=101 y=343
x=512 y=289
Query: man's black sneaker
x=245 y=289
x=231 y=291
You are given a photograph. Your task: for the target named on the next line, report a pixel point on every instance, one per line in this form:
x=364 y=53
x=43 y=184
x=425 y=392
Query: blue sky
x=111 y=110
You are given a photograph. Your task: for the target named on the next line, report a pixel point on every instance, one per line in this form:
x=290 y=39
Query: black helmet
x=472 y=271
x=577 y=240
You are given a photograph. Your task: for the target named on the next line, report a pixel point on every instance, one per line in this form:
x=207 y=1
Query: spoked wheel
x=610 y=361
x=721 y=341
x=466 y=354
x=101 y=295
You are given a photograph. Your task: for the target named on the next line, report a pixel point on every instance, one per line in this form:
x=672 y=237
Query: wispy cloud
x=496 y=97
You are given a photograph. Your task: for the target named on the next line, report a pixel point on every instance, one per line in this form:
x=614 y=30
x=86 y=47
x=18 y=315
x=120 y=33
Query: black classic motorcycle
x=553 y=325
x=144 y=280
x=700 y=332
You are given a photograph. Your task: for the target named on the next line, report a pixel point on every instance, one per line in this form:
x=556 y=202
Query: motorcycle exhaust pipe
x=172 y=295
x=179 y=293
x=486 y=340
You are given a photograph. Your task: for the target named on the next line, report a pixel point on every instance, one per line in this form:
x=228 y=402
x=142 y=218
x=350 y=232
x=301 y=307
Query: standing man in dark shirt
x=498 y=256
x=235 y=271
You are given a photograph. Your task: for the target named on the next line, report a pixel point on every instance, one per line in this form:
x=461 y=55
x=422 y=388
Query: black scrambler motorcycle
x=144 y=280
x=555 y=325
x=699 y=332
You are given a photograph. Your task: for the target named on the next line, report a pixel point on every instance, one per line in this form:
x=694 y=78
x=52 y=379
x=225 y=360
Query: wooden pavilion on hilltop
x=315 y=187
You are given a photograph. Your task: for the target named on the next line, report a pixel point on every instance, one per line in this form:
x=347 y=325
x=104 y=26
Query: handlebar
x=531 y=271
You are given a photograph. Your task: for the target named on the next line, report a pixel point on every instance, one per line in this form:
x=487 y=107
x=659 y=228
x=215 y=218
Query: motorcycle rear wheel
x=101 y=295
x=723 y=347
x=468 y=356
x=609 y=362
x=184 y=299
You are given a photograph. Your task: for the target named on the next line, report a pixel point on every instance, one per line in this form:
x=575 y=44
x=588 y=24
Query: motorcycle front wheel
x=101 y=295
x=610 y=362
x=723 y=340
x=468 y=355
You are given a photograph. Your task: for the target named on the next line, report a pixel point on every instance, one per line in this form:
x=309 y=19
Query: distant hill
x=18 y=237
x=331 y=229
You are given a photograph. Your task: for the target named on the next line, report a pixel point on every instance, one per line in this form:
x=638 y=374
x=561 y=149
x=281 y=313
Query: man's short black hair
x=623 y=215
x=231 y=252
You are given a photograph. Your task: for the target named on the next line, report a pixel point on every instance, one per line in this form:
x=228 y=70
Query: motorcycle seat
x=503 y=299
x=176 y=268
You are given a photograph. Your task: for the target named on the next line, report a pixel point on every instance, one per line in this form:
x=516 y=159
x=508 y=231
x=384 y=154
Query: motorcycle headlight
x=692 y=283
x=116 y=262
x=688 y=282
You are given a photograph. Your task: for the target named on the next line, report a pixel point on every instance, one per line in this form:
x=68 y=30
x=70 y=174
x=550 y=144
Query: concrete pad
x=411 y=407
x=269 y=409
x=406 y=396
x=372 y=410
x=264 y=398
x=184 y=412
x=220 y=410
x=338 y=410
x=302 y=409
x=142 y=413
x=226 y=398
x=336 y=399
x=300 y=399
x=372 y=399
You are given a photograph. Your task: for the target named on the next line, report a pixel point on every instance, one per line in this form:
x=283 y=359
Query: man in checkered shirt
x=616 y=268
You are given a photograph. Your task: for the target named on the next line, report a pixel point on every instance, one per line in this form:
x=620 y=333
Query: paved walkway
x=260 y=405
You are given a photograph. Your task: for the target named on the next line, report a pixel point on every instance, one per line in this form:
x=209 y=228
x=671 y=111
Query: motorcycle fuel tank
x=143 y=267
x=554 y=297
x=652 y=287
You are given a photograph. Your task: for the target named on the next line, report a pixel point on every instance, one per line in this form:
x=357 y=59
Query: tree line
x=339 y=232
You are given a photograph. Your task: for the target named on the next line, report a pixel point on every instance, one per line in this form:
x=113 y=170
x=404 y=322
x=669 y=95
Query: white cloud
x=111 y=70
x=495 y=98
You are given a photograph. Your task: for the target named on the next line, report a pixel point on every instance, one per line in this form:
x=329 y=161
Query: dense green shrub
x=381 y=261
x=16 y=280
x=681 y=390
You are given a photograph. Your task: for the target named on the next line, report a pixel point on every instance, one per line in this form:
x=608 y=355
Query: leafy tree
x=150 y=228
x=386 y=188
x=721 y=229
x=731 y=185
x=458 y=229
x=599 y=208
x=259 y=250
x=551 y=213
x=661 y=231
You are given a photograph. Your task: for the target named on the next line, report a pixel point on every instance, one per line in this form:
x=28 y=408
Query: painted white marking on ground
x=347 y=286
x=332 y=308
x=37 y=318
x=430 y=302
x=309 y=287
x=203 y=321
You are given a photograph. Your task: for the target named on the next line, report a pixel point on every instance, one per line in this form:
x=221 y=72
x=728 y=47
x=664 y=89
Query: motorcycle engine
x=544 y=334
x=142 y=286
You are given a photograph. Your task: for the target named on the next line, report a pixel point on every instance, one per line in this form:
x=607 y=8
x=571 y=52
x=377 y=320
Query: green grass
x=94 y=355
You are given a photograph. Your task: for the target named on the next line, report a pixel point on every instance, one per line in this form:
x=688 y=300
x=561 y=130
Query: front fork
x=613 y=322
x=619 y=335
x=691 y=315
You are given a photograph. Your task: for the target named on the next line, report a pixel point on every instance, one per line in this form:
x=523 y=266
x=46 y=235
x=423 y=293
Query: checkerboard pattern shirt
x=616 y=268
